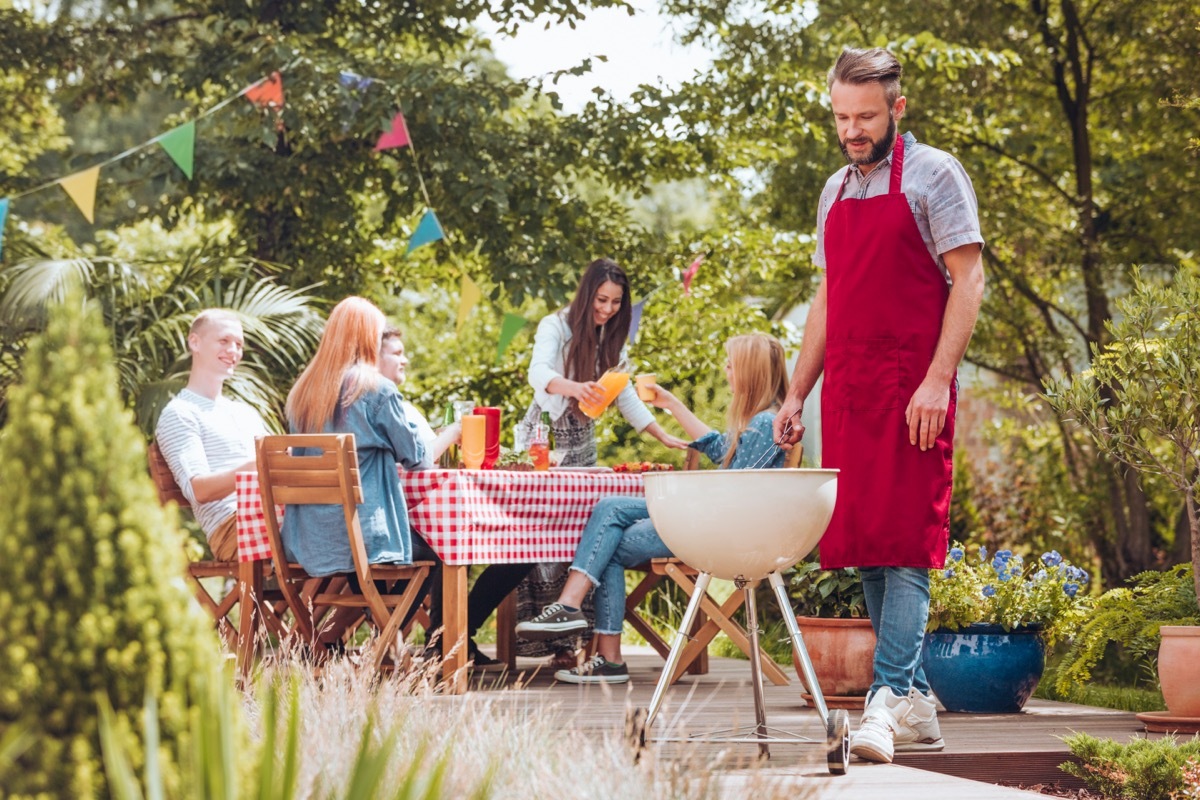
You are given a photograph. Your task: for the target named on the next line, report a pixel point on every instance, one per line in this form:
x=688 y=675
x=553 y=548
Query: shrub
x=1130 y=616
x=830 y=593
x=1144 y=769
x=92 y=599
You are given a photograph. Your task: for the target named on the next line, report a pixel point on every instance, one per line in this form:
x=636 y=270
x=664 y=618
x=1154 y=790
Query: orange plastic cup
x=613 y=383
x=645 y=387
x=474 y=440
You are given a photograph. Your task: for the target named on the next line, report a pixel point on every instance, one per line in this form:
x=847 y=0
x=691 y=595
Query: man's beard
x=879 y=149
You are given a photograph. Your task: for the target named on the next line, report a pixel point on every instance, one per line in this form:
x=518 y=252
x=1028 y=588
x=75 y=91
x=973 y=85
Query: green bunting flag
x=3 y=218
x=509 y=328
x=180 y=144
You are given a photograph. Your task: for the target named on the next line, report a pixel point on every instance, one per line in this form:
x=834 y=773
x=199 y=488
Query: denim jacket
x=315 y=536
x=758 y=440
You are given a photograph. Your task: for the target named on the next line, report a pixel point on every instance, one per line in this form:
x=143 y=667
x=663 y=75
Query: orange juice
x=612 y=382
x=539 y=453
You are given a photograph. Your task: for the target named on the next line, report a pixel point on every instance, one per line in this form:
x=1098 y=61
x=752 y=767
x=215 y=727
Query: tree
x=1055 y=109
x=92 y=603
x=1140 y=401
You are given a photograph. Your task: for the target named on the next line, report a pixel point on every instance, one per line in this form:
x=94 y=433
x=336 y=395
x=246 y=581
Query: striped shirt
x=199 y=437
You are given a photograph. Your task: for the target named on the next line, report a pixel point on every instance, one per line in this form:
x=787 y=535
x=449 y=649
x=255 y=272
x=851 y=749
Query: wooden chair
x=713 y=617
x=331 y=477
x=219 y=607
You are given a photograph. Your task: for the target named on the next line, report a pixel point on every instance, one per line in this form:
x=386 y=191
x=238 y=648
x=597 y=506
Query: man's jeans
x=898 y=602
x=619 y=534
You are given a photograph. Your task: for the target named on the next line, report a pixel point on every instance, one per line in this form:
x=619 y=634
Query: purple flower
x=989 y=591
x=1070 y=589
x=949 y=573
x=1051 y=559
x=956 y=554
x=1004 y=575
x=983 y=553
x=1040 y=575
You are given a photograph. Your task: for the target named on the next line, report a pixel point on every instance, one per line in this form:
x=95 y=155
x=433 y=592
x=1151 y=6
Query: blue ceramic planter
x=983 y=669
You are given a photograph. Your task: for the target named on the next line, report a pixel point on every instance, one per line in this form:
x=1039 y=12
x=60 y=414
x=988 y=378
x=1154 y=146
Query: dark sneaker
x=552 y=623
x=598 y=670
x=482 y=662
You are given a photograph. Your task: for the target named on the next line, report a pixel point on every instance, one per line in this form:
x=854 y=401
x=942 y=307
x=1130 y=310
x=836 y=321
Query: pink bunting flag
x=690 y=273
x=396 y=137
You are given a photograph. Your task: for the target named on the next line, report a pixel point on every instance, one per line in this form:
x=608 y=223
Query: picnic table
x=467 y=517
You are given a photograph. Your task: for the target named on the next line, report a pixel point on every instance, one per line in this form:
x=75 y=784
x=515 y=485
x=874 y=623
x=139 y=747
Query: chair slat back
x=329 y=476
x=164 y=480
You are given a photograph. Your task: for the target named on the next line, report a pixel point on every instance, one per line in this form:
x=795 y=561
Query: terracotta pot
x=1178 y=656
x=842 y=652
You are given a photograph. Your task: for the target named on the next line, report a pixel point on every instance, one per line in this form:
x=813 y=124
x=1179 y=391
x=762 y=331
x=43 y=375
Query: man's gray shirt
x=939 y=193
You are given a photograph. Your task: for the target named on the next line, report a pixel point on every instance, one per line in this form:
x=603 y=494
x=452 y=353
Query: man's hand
x=926 y=413
x=788 y=414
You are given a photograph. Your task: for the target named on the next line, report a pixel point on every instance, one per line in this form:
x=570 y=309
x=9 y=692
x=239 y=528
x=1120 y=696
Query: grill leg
x=677 y=645
x=806 y=667
x=760 y=706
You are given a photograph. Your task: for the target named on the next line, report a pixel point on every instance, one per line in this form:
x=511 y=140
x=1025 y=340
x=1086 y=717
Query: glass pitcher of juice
x=613 y=382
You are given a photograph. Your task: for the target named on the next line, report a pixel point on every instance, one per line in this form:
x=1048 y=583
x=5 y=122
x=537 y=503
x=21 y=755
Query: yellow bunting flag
x=470 y=297
x=82 y=188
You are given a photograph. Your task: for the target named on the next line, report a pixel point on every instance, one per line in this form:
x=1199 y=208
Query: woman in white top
x=572 y=349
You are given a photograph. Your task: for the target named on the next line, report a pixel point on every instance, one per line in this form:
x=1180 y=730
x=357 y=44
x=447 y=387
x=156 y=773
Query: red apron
x=886 y=300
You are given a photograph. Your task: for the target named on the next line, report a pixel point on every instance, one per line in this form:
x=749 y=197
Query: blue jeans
x=898 y=603
x=619 y=534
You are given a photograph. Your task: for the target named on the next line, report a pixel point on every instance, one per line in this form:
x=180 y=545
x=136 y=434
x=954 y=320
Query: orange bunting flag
x=267 y=93
x=690 y=273
x=82 y=189
x=396 y=136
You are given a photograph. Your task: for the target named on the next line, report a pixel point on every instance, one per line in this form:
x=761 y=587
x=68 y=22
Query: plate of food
x=582 y=469
x=638 y=467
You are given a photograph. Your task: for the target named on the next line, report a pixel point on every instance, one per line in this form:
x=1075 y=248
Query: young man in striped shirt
x=207 y=438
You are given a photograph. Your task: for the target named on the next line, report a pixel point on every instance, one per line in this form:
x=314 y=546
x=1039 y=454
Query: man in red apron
x=898 y=236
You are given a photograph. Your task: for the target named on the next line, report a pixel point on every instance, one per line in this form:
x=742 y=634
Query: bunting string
x=137 y=148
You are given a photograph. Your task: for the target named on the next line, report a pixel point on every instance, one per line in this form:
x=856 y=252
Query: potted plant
x=991 y=620
x=1140 y=402
x=832 y=614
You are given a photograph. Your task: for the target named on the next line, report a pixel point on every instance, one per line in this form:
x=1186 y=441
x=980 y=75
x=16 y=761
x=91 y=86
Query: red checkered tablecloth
x=476 y=516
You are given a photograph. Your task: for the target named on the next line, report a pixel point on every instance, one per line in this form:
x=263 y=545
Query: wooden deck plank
x=1018 y=748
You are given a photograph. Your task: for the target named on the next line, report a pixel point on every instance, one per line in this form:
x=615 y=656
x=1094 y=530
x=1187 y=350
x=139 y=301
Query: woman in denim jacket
x=620 y=534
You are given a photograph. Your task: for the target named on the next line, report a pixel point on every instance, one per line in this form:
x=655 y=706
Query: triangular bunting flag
x=428 y=230
x=470 y=296
x=396 y=136
x=3 y=218
x=180 y=144
x=267 y=93
x=635 y=319
x=690 y=273
x=509 y=328
x=82 y=188
x=352 y=80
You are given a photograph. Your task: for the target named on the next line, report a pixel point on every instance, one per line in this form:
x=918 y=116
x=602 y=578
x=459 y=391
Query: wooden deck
x=1023 y=748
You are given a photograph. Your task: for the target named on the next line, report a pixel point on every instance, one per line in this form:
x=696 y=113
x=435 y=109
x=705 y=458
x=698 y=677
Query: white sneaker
x=919 y=731
x=874 y=739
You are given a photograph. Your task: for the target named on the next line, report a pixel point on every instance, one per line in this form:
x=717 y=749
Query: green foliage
x=1140 y=401
x=1122 y=698
x=1131 y=617
x=1144 y=769
x=1046 y=593
x=817 y=592
x=149 y=284
x=92 y=599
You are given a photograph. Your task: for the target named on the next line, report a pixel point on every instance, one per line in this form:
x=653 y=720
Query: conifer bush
x=92 y=595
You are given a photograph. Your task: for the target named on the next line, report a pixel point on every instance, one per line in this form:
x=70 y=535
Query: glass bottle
x=449 y=459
